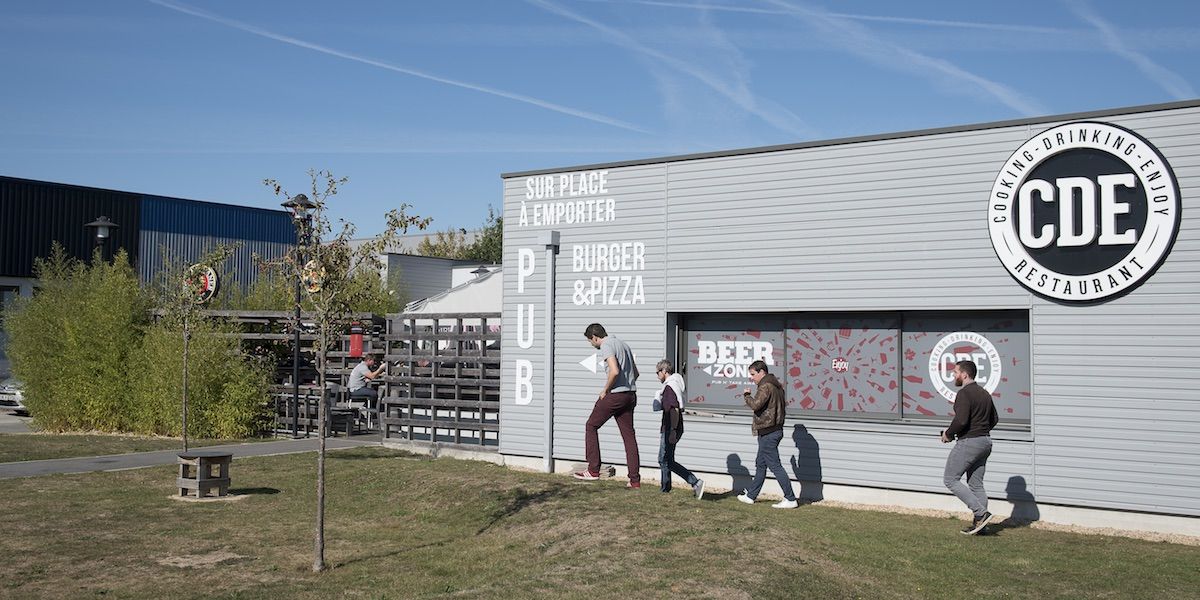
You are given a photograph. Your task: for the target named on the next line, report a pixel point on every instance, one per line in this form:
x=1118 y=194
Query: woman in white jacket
x=670 y=401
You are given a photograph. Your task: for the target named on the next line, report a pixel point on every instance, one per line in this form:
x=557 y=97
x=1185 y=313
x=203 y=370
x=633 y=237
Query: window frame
x=902 y=415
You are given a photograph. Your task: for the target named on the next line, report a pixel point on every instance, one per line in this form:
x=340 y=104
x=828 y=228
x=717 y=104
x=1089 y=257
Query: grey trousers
x=969 y=457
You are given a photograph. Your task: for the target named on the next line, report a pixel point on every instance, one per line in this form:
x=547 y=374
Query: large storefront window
x=998 y=342
x=720 y=350
x=844 y=364
x=894 y=365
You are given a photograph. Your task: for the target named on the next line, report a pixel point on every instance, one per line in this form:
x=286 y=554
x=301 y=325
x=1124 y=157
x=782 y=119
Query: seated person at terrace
x=359 y=390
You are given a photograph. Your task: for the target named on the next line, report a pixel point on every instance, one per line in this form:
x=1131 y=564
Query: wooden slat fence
x=441 y=384
x=271 y=334
x=443 y=379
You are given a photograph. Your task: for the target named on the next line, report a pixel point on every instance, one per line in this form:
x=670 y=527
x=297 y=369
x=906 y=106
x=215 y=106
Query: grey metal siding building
x=420 y=277
x=859 y=265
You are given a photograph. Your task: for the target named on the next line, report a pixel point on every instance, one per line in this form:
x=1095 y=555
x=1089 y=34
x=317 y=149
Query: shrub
x=227 y=391
x=71 y=342
x=92 y=360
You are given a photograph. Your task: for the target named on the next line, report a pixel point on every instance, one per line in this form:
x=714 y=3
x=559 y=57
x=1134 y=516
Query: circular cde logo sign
x=1084 y=212
x=964 y=345
x=202 y=282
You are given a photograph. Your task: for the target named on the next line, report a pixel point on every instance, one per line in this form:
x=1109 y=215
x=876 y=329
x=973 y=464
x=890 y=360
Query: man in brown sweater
x=974 y=418
x=770 y=411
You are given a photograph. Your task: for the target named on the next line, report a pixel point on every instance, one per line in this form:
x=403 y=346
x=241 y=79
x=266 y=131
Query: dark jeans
x=768 y=458
x=666 y=461
x=619 y=405
x=365 y=393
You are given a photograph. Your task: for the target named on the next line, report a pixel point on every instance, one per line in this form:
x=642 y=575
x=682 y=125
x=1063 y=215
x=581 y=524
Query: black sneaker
x=978 y=524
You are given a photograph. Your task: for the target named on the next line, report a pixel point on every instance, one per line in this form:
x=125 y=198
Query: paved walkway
x=11 y=423
x=119 y=462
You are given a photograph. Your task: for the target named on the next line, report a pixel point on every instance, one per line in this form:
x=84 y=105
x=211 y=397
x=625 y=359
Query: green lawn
x=401 y=526
x=39 y=446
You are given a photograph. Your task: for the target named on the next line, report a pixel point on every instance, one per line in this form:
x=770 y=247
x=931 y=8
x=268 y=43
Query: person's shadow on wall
x=806 y=465
x=1025 y=510
x=740 y=474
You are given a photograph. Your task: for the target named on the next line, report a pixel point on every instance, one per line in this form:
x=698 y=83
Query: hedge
x=92 y=360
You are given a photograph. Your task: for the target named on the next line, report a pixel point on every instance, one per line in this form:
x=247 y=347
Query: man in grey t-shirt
x=364 y=372
x=617 y=399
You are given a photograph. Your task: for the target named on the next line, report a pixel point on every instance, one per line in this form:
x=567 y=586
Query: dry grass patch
x=407 y=527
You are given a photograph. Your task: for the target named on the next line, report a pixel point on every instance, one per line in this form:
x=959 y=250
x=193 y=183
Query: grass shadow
x=369 y=453
x=397 y=552
x=254 y=491
x=522 y=499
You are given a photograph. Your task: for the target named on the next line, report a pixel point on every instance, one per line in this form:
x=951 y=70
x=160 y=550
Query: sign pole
x=549 y=239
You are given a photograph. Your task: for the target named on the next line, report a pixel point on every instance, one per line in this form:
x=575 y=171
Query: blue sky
x=429 y=102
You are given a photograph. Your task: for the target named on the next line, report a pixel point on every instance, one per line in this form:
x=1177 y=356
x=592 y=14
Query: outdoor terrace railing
x=443 y=379
x=441 y=384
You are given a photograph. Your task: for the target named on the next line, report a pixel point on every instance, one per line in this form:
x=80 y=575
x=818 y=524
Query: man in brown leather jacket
x=770 y=411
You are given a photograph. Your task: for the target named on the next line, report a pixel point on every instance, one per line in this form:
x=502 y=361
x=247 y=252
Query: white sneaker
x=744 y=497
x=699 y=489
x=785 y=504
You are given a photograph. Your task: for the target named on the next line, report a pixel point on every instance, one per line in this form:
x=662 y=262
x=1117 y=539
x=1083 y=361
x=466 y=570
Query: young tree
x=179 y=293
x=325 y=261
x=488 y=246
x=271 y=290
x=445 y=244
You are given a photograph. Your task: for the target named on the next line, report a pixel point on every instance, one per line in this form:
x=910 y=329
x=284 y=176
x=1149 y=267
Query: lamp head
x=102 y=228
x=300 y=205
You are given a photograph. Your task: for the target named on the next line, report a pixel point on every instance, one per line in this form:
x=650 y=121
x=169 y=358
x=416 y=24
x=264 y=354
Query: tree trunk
x=319 y=558
x=187 y=336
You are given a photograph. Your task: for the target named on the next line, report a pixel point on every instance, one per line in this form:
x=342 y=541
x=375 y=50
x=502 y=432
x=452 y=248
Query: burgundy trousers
x=619 y=405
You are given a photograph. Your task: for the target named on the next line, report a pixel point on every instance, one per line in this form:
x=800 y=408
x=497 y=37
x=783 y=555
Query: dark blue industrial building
x=35 y=214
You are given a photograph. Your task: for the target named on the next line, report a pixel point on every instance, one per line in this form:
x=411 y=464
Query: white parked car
x=12 y=396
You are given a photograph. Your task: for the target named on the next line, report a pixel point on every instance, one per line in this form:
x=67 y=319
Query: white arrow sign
x=589 y=363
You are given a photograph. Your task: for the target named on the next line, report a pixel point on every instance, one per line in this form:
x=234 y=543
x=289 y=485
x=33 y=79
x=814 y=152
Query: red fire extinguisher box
x=356 y=340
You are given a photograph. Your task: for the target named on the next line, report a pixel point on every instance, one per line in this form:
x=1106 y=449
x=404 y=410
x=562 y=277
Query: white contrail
x=778 y=117
x=1169 y=80
x=566 y=110
x=855 y=17
x=862 y=42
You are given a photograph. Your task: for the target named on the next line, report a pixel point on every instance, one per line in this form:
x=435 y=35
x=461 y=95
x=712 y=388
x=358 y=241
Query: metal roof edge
x=221 y=204
x=865 y=138
x=417 y=304
x=140 y=196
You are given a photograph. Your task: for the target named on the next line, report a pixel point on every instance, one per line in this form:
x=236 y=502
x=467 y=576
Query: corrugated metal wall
x=639 y=213
x=883 y=224
x=186 y=229
x=1117 y=408
x=34 y=214
x=420 y=276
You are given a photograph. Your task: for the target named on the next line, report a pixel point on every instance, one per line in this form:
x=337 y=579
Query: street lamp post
x=102 y=230
x=300 y=206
